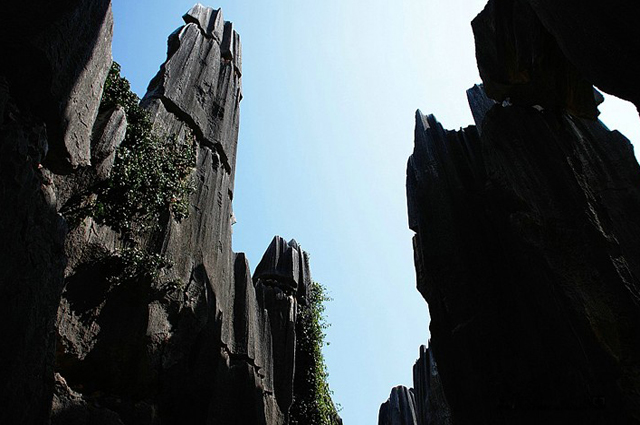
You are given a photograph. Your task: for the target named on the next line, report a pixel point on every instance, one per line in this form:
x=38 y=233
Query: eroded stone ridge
x=424 y=404
x=526 y=250
x=286 y=265
x=548 y=53
x=209 y=20
x=52 y=70
x=200 y=82
x=399 y=409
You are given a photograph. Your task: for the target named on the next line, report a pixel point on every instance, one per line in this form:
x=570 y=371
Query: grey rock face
x=57 y=63
x=425 y=403
x=52 y=69
x=286 y=265
x=204 y=341
x=480 y=104
x=432 y=407
x=596 y=40
x=109 y=132
x=207 y=19
x=163 y=325
x=400 y=409
x=70 y=407
x=32 y=269
x=205 y=97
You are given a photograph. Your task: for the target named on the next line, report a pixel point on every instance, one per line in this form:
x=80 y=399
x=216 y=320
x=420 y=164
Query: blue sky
x=330 y=90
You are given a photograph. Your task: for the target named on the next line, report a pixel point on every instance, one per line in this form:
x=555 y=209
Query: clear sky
x=330 y=90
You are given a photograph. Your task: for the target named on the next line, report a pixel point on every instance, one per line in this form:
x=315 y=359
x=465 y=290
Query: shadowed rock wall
x=424 y=404
x=526 y=249
x=159 y=322
x=528 y=226
x=53 y=61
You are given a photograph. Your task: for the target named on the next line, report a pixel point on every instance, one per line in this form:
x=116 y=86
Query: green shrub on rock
x=312 y=404
x=150 y=173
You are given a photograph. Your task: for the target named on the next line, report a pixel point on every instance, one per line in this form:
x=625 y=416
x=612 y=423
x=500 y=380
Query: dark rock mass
x=550 y=53
x=527 y=244
x=52 y=68
x=140 y=322
x=424 y=404
x=400 y=409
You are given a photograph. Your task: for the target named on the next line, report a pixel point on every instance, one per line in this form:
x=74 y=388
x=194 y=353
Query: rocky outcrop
x=526 y=250
x=143 y=322
x=528 y=226
x=424 y=404
x=52 y=67
x=432 y=407
x=399 y=409
x=549 y=53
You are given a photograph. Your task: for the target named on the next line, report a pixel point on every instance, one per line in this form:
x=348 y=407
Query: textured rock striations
x=400 y=409
x=527 y=245
x=550 y=53
x=424 y=404
x=155 y=323
x=52 y=67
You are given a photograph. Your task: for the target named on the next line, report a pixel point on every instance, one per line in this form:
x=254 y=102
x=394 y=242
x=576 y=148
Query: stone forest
x=123 y=302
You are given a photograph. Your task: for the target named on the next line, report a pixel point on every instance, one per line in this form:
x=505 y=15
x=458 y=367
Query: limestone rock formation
x=143 y=322
x=424 y=404
x=527 y=225
x=432 y=407
x=526 y=249
x=550 y=53
x=52 y=67
x=400 y=409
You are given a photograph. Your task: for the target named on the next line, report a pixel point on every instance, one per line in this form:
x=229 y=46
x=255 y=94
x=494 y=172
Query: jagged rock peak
x=399 y=409
x=203 y=51
x=285 y=264
x=208 y=19
x=479 y=103
x=432 y=407
x=503 y=221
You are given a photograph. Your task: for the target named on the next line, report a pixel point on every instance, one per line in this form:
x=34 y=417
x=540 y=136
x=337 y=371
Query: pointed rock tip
x=425 y=122
x=294 y=244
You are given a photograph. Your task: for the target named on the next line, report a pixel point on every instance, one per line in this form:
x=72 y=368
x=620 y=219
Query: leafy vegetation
x=136 y=265
x=312 y=404
x=150 y=173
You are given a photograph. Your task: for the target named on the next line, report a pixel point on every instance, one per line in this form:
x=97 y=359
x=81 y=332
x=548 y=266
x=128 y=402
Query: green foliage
x=136 y=265
x=150 y=173
x=312 y=404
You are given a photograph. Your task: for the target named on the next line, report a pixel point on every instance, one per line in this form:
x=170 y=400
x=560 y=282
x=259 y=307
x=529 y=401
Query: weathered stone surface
x=521 y=61
x=57 y=61
x=425 y=403
x=209 y=20
x=432 y=407
x=527 y=252
x=160 y=341
x=109 y=132
x=547 y=53
x=400 y=409
x=196 y=340
x=480 y=104
x=69 y=407
x=599 y=39
x=31 y=273
x=205 y=97
x=286 y=265
x=52 y=68
x=204 y=342
x=282 y=311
